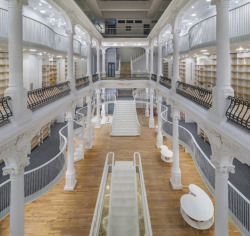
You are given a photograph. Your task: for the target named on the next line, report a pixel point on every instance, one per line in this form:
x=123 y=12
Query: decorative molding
x=223 y=168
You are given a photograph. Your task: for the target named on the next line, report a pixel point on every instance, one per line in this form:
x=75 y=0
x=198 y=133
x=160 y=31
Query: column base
x=18 y=103
x=175 y=179
x=89 y=145
x=70 y=181
x=151 y=123
x=159 y=142
x=147 y=111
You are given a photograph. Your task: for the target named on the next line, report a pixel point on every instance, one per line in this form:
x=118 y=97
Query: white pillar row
x=159 y=134
x=222 y=171
x=147 y=59
x=70 y=76
x=89 y=131
x=89 y=62
x=98 y=61
x=103 y=62
x=176 y=76
x=70 y=173
x=159 y=74
x=103 y=113
x=17 y=202
x=151 y=119
x=15 y=88
x=223 y=87
x=175 y=179
x=151 y=60
x=147 y=105
x=98 y=120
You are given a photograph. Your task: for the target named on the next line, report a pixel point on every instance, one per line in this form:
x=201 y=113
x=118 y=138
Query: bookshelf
x=45 y=73
x=52 y=71
x=240 y=75
x=182 y=70
x=165 y=69
x=4 y=72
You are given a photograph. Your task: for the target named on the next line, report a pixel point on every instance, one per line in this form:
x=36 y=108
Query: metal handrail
x=154 y=77
x=129 y=76
x=82 y=82
x=199 y=95
x=238 y=112
x=147 y=223
x=166 y=82
x=95 y=78
x=94 y=231
x=5 y=111
x=42 y=96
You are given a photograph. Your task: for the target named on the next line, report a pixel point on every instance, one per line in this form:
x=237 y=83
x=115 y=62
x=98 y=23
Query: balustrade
x=238 y=112
x=5 y=111
x=199 y=95
x=42 y=96
x=95 y=78
x=166 y=82
x=82 y=82
x=154 y=77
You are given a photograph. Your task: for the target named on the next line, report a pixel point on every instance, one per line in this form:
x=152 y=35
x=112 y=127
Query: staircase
x=123 y=210
x=125 y=122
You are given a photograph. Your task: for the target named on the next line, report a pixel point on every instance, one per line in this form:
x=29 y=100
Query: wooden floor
x=62 y=212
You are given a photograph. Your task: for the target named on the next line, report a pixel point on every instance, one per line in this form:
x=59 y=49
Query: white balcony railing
x=39 y=33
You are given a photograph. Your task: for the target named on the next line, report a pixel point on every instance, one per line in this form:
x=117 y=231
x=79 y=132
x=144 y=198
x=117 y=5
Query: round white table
x=166 y=154
x=197 y=208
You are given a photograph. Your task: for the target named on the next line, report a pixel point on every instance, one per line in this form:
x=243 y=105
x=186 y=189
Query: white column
x=221 y=196
x=159 y=134
x=17 y=196
x=70 y=76
x=175 y=179
x=98 y=120
x=98 y=61
x=70 y=173
x=103 y=63
x=89 y=131
x=159 y=74
x=147 y=105
x=176 y=76
x=103 y=113
x=151 y=119
x=223 y=87
x=147 y=59
x=16 y=90
x=89 y=62
x=151 y=61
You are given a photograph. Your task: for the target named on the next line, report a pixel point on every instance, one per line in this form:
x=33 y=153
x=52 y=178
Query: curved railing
x=204 y=32
x=166 y=82
x=5 y=111
x=39 y=33
x=154 y=77
x=39 y=180
x=239 y=205
x=82 y=82
x=108 y=98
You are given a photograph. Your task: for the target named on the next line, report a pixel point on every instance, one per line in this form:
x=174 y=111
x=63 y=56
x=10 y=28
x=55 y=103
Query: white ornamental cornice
x=221 y=146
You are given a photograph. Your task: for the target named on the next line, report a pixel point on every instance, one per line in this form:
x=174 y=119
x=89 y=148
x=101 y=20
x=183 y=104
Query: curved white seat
x=166 y=154
x=197 y=208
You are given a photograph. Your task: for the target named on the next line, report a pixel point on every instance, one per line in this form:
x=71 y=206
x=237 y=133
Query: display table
x=166 y=154
x=197 y=208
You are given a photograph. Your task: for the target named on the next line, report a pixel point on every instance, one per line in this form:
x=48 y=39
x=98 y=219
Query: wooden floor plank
x=61 y=212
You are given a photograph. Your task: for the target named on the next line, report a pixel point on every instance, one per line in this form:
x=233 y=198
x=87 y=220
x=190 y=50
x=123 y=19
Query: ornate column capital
x=159 y=98
x=97 y=91
x=17 y=170
x=17 y=4
x=88 y=99
x=223 y=168
x=151 y=91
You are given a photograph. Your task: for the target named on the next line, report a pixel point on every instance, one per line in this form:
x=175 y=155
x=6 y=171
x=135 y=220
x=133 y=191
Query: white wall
x=31 y=71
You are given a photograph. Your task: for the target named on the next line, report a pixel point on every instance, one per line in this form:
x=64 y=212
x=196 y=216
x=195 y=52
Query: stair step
x=123 y=211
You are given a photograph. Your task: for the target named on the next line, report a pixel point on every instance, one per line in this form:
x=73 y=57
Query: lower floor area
x=61 y=212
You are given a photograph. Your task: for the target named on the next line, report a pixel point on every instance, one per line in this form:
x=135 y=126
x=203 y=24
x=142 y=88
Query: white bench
x=197 y=208
x=166 y=154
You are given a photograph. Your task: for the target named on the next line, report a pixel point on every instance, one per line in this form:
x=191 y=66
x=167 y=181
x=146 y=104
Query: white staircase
x=125 y=122
x=123 y=210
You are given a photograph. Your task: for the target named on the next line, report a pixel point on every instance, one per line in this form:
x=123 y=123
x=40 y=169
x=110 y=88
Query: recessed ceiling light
x=193 y=14
x=204 y=50
x=192 y=6
x=32 y=50
x=40 y=4
x=208 y=0
x=42 y=11
x=240 y=49
x=206 y=53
